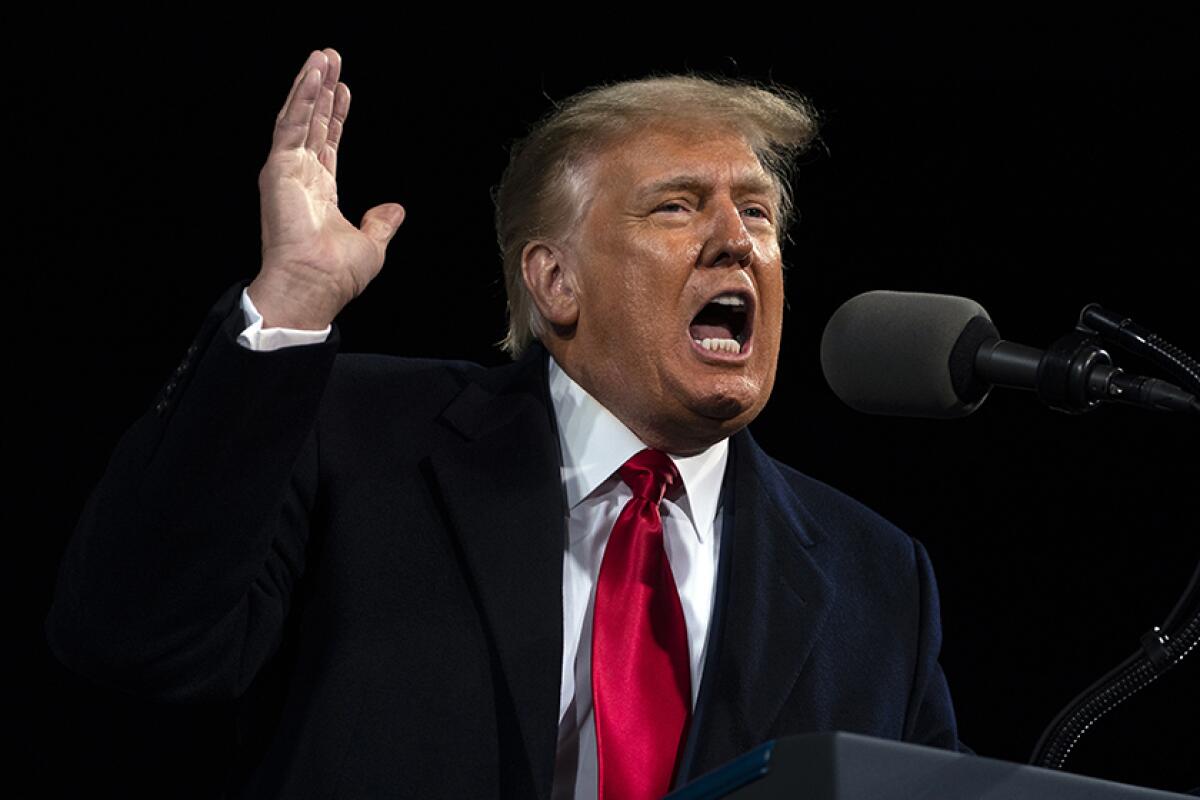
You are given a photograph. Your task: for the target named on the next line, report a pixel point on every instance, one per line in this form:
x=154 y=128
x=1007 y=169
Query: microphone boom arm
x=1162 y=647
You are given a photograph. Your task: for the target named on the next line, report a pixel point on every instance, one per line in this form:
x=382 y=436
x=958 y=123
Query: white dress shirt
x=256 y=337
x=594 y=445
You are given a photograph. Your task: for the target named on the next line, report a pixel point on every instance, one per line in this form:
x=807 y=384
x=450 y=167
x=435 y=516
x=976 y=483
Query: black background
x=1034 y=172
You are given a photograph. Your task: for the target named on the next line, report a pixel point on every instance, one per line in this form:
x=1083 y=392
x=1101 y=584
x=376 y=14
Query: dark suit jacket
x=368 y=551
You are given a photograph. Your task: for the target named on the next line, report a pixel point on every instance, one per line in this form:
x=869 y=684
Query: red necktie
x=641 y=676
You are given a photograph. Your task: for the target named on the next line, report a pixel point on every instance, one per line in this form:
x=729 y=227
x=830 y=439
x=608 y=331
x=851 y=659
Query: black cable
x=1161 y=648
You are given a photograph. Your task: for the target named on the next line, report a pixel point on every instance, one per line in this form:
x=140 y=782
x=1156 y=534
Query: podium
x=846 y=766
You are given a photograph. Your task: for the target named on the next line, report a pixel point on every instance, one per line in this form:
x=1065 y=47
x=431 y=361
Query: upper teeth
x=729 y=300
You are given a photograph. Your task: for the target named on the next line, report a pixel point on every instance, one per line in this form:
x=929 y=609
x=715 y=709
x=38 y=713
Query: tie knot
x=649 y=473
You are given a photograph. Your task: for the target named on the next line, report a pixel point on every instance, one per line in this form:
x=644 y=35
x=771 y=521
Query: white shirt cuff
x=256 y=337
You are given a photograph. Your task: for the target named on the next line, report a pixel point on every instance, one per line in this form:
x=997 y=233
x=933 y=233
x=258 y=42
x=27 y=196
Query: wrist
x=288 y=302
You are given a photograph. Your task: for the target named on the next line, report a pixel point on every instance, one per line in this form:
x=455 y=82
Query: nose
x=729 y=243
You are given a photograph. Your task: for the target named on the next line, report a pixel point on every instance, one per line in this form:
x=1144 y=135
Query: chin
x=721 y=408
x=730 y=399
x=708 y=408
x=702 y=423
x=728 y=412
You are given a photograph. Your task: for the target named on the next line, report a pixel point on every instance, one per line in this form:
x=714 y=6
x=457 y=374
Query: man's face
x=679 y=245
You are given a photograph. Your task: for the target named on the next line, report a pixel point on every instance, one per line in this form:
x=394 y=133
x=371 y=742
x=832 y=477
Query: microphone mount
x=1076 y=373
x=1163 y=647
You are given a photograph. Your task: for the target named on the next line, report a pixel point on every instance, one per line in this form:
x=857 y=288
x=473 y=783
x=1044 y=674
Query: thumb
x=381 y=222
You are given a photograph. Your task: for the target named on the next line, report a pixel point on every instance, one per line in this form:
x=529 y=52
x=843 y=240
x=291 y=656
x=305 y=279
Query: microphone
x=938 y=356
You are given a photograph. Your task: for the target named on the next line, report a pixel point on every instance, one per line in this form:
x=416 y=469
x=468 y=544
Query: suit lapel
x=502 y=493
x=773 y=599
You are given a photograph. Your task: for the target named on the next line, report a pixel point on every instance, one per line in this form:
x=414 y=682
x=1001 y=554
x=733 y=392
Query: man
x=573 y=576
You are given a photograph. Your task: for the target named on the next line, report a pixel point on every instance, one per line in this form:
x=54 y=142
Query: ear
x=550 y=283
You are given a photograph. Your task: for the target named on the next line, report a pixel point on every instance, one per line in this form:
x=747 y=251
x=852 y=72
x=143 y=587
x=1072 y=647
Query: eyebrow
x=700 y=184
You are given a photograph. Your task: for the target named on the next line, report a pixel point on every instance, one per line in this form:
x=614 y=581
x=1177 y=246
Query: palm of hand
x=302 y=224
x=314 y=260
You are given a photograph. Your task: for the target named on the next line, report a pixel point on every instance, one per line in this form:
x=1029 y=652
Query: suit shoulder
x=362 y=381
x=847 y=521
x=358 y=371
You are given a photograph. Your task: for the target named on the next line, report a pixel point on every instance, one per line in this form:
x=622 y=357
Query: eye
x=672 y=207
x=758 y=212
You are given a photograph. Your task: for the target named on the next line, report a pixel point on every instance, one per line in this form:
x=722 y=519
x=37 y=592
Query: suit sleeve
x=930 y=715
x=179 y=574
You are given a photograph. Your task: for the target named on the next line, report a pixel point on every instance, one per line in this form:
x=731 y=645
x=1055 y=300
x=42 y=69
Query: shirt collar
x=595 y=444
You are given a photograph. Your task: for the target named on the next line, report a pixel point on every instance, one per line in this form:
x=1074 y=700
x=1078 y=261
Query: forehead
x=673 y=156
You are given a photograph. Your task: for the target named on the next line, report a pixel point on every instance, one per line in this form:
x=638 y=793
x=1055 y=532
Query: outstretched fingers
x=314 y=60
x=318 y=129
x=341 y=107
x=295 y=118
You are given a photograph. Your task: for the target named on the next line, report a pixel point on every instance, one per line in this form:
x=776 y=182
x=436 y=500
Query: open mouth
x=723 y=325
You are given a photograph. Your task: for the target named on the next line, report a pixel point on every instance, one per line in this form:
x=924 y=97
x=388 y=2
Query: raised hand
x=314 y=261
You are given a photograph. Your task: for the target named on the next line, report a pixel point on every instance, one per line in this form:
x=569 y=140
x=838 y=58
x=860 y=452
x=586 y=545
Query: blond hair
x=541 y=192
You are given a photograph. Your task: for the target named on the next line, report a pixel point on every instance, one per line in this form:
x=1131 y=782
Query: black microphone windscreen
x=891 y=352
